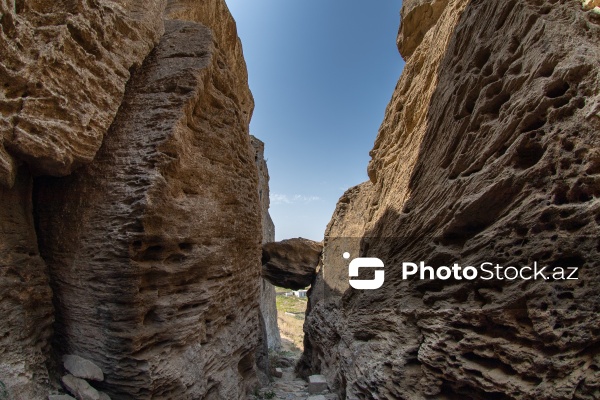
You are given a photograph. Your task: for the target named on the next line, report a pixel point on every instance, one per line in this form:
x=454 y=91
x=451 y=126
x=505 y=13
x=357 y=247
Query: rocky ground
x=289 y=386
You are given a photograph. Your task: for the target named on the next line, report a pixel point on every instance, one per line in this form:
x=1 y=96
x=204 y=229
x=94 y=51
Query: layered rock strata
x=268 y=306
x=153 y=248
x=488 y=152
x=291 y=263
x=63 y=73
x=25 y=296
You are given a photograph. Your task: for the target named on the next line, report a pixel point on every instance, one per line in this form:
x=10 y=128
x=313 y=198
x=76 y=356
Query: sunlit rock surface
x=63 y=70
x=152 y=242
x=268 y=306
x=154 y=247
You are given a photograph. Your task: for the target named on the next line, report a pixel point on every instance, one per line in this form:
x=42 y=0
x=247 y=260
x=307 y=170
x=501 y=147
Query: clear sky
x=322 y=73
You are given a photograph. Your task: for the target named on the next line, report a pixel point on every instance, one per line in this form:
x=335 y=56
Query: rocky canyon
x=136 y=239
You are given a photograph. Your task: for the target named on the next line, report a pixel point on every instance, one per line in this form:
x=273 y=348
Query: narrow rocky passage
x=290 y=265
x=289 y=386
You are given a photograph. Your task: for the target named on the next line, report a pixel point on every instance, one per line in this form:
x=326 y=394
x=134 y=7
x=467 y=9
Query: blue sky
x=322 y=73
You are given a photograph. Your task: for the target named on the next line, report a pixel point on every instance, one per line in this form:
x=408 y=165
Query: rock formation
x=63 y=73
x=291 y=263
x=81 y=375
x=25 y=295
x=152 y=250
x=488 y=151
x=152 y=243
x=64 y=70
x=268 y=307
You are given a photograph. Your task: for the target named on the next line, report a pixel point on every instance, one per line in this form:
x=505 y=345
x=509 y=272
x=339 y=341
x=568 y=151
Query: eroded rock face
x=268 y=306
x=418 y=17
x=215 y=15
x=25 y=296
x=64 y=69
x=291 y=263
x=488 y=152
x=154 y=248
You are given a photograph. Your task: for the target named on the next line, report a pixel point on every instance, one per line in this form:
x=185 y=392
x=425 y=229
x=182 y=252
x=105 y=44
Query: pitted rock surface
x=489 y=150
x=64 y=70
x=291 y=263
x=154 y=248
x=25 y=296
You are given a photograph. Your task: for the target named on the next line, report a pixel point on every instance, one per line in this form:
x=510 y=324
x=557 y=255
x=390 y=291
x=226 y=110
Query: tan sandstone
x=153 y=240
x=64 y=69
x=268 y=306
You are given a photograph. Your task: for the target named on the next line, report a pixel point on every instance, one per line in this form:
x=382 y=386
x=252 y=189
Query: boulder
x=317 y=384
x=82 y=368
x=291 y=263
x=103 y=396
x=80 y=388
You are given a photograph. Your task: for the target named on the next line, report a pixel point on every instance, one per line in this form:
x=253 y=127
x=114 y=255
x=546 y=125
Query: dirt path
x=289 y=387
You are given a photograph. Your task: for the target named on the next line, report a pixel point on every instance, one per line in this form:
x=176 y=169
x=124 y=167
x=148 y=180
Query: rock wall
x=215 y=15
x=268 y=306
x=152 y=243
x=153 y=248
x=488 y=152
x=25 y=296
x=63 y=73
x=64 y=69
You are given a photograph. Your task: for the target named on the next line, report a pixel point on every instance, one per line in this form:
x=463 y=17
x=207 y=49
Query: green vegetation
x=290 y=318
x=274 y=354
x=291 y=304
x=281 y=358
x=3 y=391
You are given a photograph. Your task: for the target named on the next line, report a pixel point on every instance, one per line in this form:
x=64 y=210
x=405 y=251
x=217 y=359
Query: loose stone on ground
x=290 y=387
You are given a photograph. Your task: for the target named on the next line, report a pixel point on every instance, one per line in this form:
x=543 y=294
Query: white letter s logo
x=367 y=262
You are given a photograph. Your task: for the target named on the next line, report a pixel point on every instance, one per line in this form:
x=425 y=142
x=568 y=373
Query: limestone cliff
x=152 y=243
x=489 y=151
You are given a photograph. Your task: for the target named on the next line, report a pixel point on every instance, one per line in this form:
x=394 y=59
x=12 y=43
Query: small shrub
x=3 y=391
x=269 y=395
